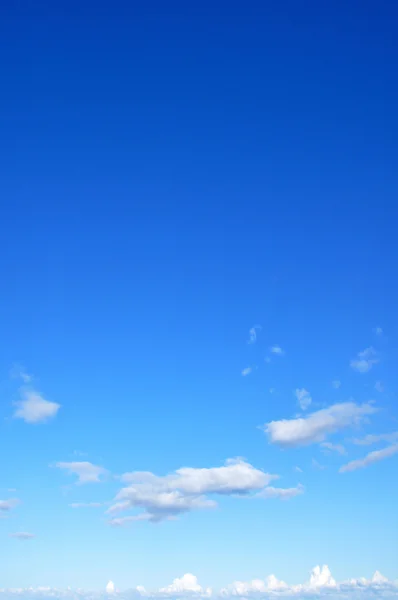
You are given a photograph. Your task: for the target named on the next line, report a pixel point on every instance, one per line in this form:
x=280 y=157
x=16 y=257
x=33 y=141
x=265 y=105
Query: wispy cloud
x=378 y=331
x=19 y=372
x=365 y=360
x=298 y=470
x=22 y=535
x=281 y=493
x=370 y=459
x=186 y=489
x=379 y=387
x=318 y=425
x=303 y=398
x=85 y=471
x=34 y=408
x=253 y=334
x=336 y=383
x=316 y=465
x=374 y=439
x=339 y=448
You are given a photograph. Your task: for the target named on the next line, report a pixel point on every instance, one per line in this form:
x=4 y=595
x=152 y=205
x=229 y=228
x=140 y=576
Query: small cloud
x=267 y=359
x=272 y=390
x=298 y=470
x=86 y=472
x=339 y=448
x=33 y=408
x=253 y=334
x=247 y=371
x=365 y=360
x=22 y=535
x=370 y=458
x=303 y=398
x=379 y=387
x=378 y=331
x=336 y=383
x=277 y=350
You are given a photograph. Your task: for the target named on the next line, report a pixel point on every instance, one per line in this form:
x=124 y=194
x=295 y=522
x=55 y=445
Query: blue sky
x=189 y=194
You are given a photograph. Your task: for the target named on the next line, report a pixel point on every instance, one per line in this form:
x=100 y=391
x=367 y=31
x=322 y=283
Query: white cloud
x=33 y=408
x=365 y=360
x=318 y=425
x=186 y=489
x=247 y=371
x=110 y=587
x=253 y=334
x=22 y=535
x=339 y=448
x=374 y=439
x=379 y=387
x=7 y=505
x=303 y=398
x=281 y=493
x=336 y=383
x=298 y=470
x=378 y=331
x=86 y=472
x=370 y=458
x=188 y=583
x=277 y=350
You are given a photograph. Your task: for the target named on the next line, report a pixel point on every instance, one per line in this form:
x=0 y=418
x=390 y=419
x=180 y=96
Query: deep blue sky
x=171 y=175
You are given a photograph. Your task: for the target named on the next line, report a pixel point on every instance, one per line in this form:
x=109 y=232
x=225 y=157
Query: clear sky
x=199 y=270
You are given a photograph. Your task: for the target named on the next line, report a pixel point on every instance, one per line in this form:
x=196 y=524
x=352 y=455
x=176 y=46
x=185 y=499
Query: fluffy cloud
x=339 y=448
x=374 y=439
x=318 y=425
x=303 y=398
x=253 y=334
x=33 y=408
x=186 y=489
x=22 y=535
x=321 y=583
x=188 y=583
x=86 y=472
x=7 y=505
x=370 y=458
x=365 y=360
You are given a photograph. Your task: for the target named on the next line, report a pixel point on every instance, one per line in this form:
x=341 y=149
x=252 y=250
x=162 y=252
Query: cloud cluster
x=188 y=488
x=318 y=425
x=320 y=584
x=365 y=360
